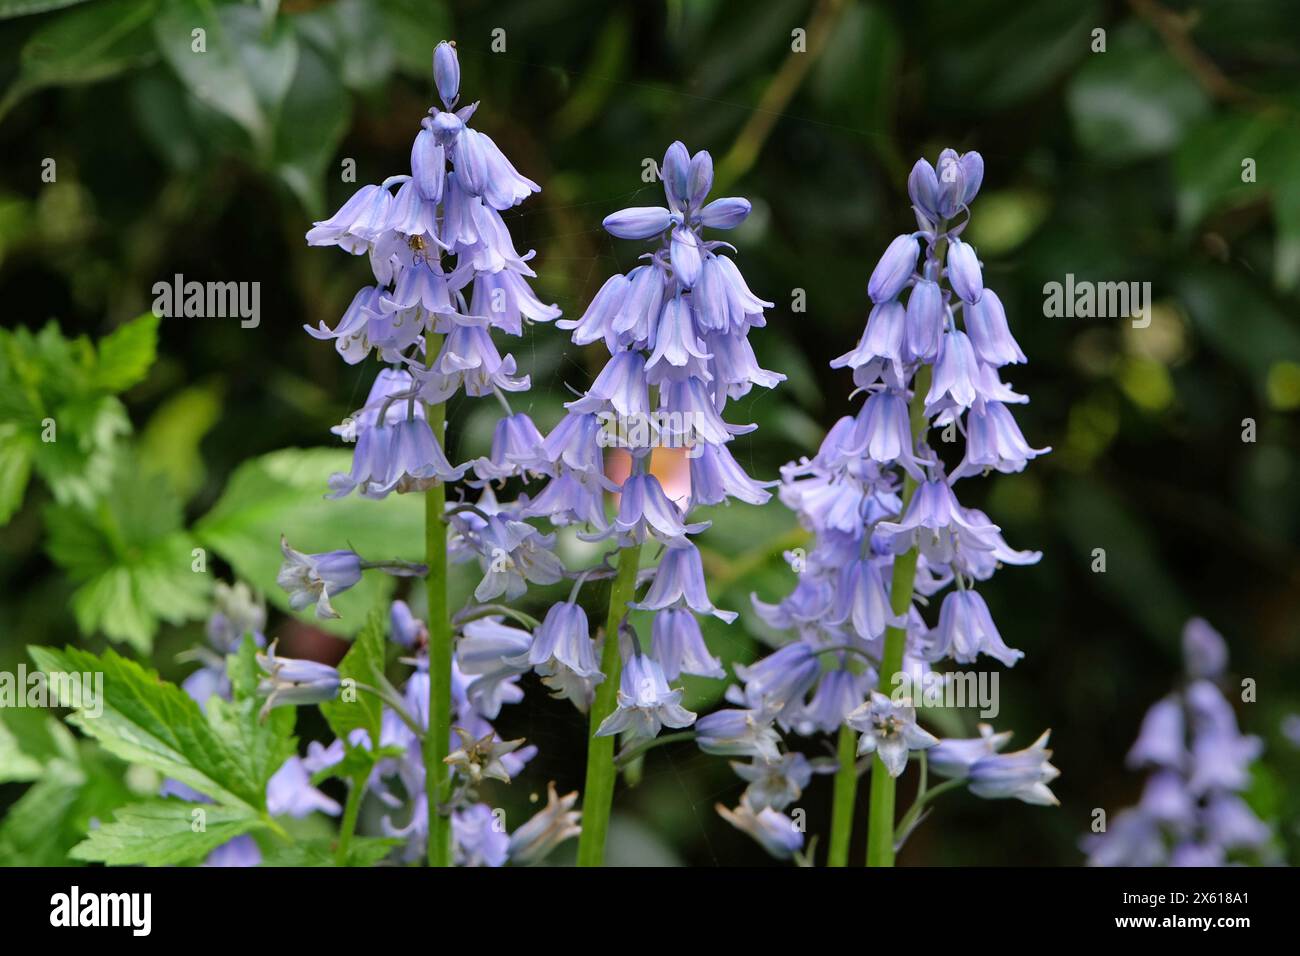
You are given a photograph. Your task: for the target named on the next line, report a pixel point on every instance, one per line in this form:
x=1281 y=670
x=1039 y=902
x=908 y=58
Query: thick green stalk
x=351 y=810
x=846 y=793
x=880 y=822
x=437 y=777
x=598 y=794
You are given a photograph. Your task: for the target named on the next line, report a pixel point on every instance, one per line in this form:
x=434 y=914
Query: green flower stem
x=598 y=794
x=846 y=793
x=437 y=776
x=351 y=810
x=922 y=799
x=880 y=822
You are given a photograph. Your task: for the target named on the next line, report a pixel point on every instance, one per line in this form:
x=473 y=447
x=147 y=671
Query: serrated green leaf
x=263 y=746
x=133 y=562
x=284 y=492
x=364 y=659
x=126 y=354
x=75 y=786
x=145 y=720
x=164 y=833
x=15 y=469
x=15 y=765
x=365 y=851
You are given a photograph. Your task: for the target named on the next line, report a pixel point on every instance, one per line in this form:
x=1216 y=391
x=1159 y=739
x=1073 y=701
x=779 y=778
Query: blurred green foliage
x=1171 y=157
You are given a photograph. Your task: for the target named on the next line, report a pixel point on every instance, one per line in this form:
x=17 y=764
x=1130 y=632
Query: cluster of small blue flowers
x=677 y=332
x=876 y=491
x=484 y=679
x=446 y=275
x=1191 y=812
x=417 y=316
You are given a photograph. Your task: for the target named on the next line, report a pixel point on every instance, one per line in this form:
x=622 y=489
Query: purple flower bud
x=699 y=179
x=684 y=253
x=675 y=173
x=1204 y=651
x=894 y=269
x=964 y=271
x=923 y=188
x=428 y=165
x=952 y=183
x=404 y=628
x=725 y=213
x=446 y=73
x=638 y=222
x=924 y=319
x=972 y=169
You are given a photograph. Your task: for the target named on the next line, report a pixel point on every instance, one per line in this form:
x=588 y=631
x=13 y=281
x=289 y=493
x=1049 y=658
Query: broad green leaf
x=1001 y=52
x=142 y=719
x=85 y=45
x=321 y=111
x=353 y=34
x=1207 y=166
x=23 y=8
x=170 y=439
x=1239 y=320
x=133 y=562
x=164 y=833
x=364 y=659
x=126 y=354
x=284 y=493
x=216 y=74
x=1282 y=177
x=1134 y=101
